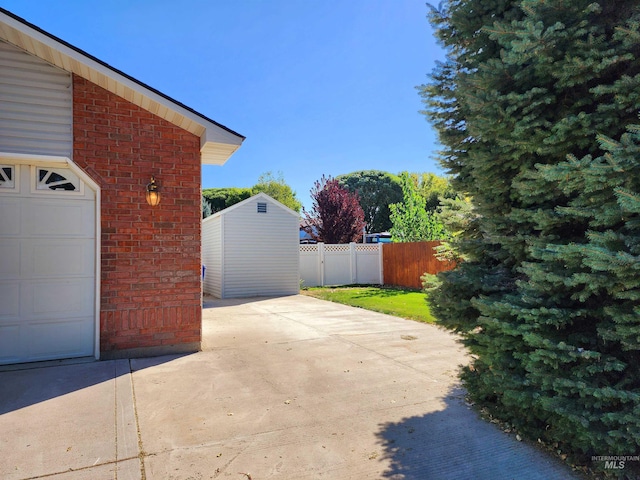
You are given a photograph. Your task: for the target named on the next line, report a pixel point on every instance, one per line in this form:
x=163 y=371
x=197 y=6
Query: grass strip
x=400 y=302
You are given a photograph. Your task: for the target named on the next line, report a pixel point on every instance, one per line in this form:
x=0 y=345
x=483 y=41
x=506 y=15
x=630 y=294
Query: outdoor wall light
x=153 y=194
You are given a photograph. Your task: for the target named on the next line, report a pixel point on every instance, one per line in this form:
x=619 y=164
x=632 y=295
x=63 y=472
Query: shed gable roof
x=257 y=196
x=217 y=142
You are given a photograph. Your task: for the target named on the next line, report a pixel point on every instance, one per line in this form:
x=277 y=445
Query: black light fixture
x=153 y=193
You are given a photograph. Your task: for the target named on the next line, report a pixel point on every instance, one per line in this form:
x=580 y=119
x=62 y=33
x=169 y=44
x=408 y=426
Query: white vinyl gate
x=340 y=264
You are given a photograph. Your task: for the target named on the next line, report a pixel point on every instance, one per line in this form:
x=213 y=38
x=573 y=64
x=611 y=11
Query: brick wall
x=150 y=256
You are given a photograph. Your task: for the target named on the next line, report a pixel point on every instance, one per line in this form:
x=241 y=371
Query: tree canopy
x=277 y=188
x=410 y=220
x=535 y=106
x=376 y=190
x=221 y=198
x=273 y=185
x=433 y=188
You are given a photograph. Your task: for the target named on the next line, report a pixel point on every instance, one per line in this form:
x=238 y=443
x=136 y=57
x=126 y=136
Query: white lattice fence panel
x=339 y=248
x=309 y=249
x=373 y=248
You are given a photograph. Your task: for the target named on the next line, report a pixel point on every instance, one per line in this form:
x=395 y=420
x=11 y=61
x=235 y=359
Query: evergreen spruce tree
x=548 y=297
x=206 y=208
x=581 y=303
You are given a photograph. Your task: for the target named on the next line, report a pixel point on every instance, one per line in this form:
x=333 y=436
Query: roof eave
x=213 y=153
x=217 y=142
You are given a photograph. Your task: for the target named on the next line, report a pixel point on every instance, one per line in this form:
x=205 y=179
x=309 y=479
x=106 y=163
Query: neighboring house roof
x=257 y=196
x=217 y=142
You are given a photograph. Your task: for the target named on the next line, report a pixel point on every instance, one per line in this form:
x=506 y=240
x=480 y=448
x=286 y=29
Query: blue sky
x=317 y=86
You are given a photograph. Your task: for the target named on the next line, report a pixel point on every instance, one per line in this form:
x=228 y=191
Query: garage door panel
x=68 y=338
x=51 y=217
x=10 y=348
x=9 y=258
x=58 y=298
x=10 y=215
x=67 y=258
x=9 y=301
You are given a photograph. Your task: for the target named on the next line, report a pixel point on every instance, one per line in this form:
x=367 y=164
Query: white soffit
x=217 y=142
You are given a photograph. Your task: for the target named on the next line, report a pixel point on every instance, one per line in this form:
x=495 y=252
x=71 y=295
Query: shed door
x=47 y=264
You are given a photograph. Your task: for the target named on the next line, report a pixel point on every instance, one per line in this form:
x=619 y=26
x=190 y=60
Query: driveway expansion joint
x=141 y=452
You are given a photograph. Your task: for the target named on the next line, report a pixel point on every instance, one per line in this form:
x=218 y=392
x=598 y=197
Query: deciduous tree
x=336 y=215
x=221 y=198
x=277 y=188
x=274 y=186
x=376 y=191
x=433 y=188
x=410 y=220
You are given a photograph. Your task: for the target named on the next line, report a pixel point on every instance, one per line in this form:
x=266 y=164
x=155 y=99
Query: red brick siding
x=150 y=256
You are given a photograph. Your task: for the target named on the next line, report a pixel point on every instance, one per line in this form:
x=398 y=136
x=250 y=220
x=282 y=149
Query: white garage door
x=47 y=264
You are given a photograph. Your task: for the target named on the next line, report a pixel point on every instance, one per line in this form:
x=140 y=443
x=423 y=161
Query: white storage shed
x=252 y=249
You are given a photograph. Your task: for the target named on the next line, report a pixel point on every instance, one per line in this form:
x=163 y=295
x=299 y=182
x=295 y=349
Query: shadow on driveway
x=455 y=444
x=25 y=387
x=212 y=302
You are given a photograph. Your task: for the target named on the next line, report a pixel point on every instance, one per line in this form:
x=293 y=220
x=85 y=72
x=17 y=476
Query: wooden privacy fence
x=404 y=263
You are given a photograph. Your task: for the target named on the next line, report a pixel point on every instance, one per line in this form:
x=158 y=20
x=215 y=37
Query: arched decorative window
x=57 y=179
x=7 y=176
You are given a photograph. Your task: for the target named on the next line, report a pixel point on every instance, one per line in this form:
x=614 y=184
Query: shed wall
x=212 y=255
x=261 y=251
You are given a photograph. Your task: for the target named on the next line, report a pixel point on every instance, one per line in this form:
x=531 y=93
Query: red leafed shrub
x=336 y=215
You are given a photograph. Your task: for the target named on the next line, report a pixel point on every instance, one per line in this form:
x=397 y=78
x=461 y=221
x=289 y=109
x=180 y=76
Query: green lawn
x=400 y=302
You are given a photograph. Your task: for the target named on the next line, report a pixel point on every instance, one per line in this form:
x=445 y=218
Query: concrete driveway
x=288 y=388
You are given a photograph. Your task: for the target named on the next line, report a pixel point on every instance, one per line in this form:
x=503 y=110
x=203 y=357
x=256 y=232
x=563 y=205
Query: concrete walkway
x=287 y=388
